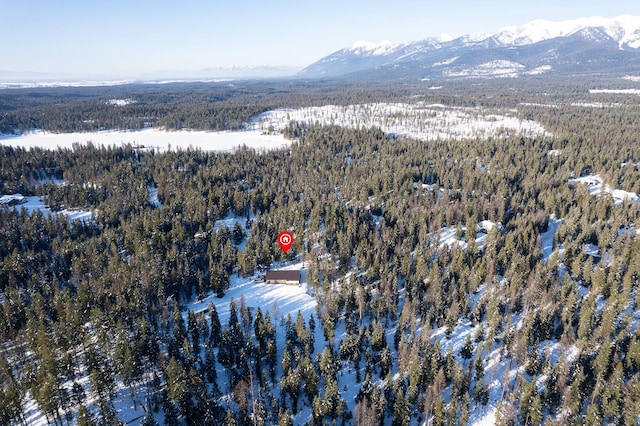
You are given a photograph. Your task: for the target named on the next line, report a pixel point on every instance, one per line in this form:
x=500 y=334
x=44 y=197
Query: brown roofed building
x=283 y=277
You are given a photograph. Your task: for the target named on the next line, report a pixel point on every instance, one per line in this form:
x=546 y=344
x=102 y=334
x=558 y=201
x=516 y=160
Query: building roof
x=277 y=275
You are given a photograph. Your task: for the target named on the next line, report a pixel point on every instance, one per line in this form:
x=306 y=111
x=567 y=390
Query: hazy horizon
x=119 y=40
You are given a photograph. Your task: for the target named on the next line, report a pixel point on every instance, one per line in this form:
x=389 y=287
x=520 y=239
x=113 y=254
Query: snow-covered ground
x=617 y=91
x=420 y=121
x=580 y=104
x=230 y=221
x=153 y=196
x=278 y=299
x=51 y=180
x=12 y=199
x=498 y=68
x=120 y=102
x=157 y=139
x=598 y=188
x=448 y=236
x=596 y=104
x=33 y=203
x=548 y=236
x=80 y=83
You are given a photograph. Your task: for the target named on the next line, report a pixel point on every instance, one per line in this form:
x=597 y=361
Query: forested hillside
x=454 y=281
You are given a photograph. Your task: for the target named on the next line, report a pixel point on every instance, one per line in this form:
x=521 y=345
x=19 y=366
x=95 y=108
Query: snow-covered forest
x=468 y=255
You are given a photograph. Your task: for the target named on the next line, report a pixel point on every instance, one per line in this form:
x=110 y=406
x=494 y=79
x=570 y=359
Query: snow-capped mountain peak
x=365 y=48
x=444 y=37
x=625 y=30
x=605 y=44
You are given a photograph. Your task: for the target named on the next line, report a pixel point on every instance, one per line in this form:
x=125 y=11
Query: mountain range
x=585 y=46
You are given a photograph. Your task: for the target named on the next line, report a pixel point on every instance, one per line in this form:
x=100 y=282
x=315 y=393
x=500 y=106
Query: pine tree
x=84 y=417
x=179 y=330
x=209 y=366
x=438 y=410
x=176 y=381
x=284 y=418
x=401 y=413
x=216 y=328
x=467 y=349
x=194 y=331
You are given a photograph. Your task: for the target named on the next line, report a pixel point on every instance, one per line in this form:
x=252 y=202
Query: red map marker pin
x=285 y=239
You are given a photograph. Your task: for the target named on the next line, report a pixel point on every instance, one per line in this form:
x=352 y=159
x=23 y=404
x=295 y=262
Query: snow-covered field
x=420 y=121
x=159 y=140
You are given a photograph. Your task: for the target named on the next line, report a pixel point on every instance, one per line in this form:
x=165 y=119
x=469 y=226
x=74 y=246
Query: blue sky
x=129 y=38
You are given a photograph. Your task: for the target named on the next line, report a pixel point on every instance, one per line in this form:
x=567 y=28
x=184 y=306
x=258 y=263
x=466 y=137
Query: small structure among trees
x=283 y=277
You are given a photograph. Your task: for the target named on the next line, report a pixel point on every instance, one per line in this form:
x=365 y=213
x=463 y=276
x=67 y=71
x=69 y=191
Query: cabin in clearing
x=283 y=277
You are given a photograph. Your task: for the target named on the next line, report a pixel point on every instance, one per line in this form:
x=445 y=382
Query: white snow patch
x=157 y=139
x=595 y=104
x=278 y=299
x=539 y=70
x=533 y=104
x=120 y=102
x=448 y=236
x=33 y=203
x=365 y=48
x=12 y=199
x=153 y=196
x=52 y=180
x=497 y=68
x=616 y=91
x=548 y=236
x=446 y=61
x=418 y=120
x=622 y=29
x=554 y=350
x=489 y=419
x=597 y=188
x=86 y=83
x=591 y=250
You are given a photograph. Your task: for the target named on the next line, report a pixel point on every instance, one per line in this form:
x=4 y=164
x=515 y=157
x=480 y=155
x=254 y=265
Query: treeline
x=228 y=106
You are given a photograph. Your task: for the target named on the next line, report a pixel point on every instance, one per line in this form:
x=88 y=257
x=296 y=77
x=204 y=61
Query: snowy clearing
x=33 y=203
x=420 y=121
x=498 y=68
x=279 y=299
x=120 y=102
x=616 y=91
x=598 y=188
x=452 y=235
x=157 y=139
